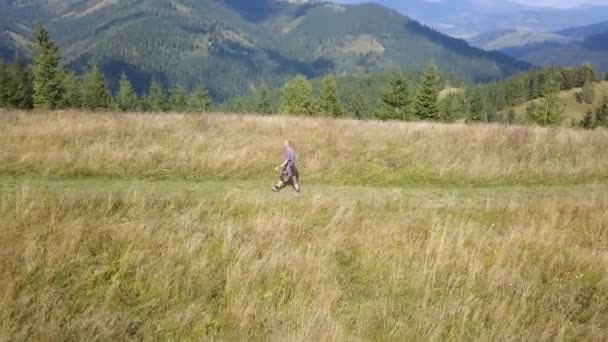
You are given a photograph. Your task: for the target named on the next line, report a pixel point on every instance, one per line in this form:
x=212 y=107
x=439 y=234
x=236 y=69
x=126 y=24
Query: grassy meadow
x=163 y=227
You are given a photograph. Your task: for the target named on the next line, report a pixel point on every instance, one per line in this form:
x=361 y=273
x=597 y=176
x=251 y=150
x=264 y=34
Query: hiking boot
x=275 y=188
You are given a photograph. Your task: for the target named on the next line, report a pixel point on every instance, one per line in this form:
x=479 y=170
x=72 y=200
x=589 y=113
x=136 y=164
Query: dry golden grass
x=352 y=152
x=133 y=266
x=111 y=263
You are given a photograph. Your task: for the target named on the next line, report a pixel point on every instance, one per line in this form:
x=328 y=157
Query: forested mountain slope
x=234 y=44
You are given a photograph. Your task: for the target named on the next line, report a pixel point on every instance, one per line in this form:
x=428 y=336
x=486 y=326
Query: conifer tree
x=476 y=106
x=199 y=99
x=330 y=103
x=21 y=88
x=452 y=107
x=395 y=101
x=588 y=92
x=47 y=83
x=178 y=99
x=263 y=102
x=425 y=107
x=157 y=100
x=96 y=91
x=588 y=121
x=586 y=73
x=5 y=84
x=511 y=117
x=71 y=95
x=601 y=114
x=358 y=106
x=126 y=98
x=296 y=97
x=549 y=109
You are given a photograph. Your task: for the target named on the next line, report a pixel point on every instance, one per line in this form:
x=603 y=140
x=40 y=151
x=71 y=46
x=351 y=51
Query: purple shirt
x=290 y=156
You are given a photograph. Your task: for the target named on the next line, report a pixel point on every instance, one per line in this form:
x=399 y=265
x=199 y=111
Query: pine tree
x=71 y=95
x=358 y=106
x=330 y=103
x=601 y=114
x=199 y=99
x=476 y=107
x=47 y=83
x=588 y=121
x=178 y=99
x=511 y=117
x=5 y=84
x=96 y=93
x=425 y=107
x=586 y=73
x=157 y=100
x=395 y=101
x=296 y=97
x=126 y=98
x=452 y=107
x=588 y=92
x=549 y=109
x=21 y=90
x=263 y=102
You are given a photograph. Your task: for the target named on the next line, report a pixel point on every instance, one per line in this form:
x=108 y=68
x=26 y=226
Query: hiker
x=289 y=172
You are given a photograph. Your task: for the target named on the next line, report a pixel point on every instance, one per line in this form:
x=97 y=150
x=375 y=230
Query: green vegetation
x=47 y=83
x=296 y=97
x=182 y=42
x=406 y=231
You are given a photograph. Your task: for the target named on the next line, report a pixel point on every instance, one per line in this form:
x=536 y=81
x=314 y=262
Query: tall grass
x=133 y=266
x=348 y=152
x=363 y=264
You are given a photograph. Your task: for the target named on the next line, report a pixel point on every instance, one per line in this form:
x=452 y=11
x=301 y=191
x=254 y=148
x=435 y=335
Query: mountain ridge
x=232 y=45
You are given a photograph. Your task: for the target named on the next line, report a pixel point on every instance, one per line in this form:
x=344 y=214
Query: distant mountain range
x=469 y=18
x=567 y=47
x=233 y=45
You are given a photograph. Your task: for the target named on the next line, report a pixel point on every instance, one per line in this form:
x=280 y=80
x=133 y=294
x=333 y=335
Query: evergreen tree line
x=46 y=86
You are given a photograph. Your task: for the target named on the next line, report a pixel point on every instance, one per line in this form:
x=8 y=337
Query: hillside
x=232 y=45
x=592 y=49
x=403 y=231
x=573 y=109
x=582 y=32
x=504 y=39
x=469 y=18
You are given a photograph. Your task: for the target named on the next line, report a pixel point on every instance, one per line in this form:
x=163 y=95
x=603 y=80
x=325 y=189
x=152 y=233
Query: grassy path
x=216 y=188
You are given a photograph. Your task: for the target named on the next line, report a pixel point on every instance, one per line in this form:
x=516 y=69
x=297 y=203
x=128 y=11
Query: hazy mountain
x=582 y=32
x=234 y=44
x=503 y=39
x=593 y=49
x=468 y=18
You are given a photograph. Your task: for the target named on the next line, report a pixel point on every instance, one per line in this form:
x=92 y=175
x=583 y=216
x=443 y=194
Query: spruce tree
x=425 y=107
x=549 y=109
x=296 y=97
x=5 y=84
x=47 y=83
x=157 y=100
x=601 y=114
x=588 y=121
x=126 y=98
x=263 y=102
x=96 y=93
x=358 y=106
x=586 y=73
x=199 y=99
x=71 y=95
x=21 y=90
x=452 y=107
x=476 y=106
x=588 y=92
x=395 y=101
x=330 y=103
x=511 y=116
x=178 y=99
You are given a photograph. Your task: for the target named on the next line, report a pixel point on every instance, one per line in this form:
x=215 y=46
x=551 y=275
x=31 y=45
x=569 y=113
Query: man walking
x=289 y=172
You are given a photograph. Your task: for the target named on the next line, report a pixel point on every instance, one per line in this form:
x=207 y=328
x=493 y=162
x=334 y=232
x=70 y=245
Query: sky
x=549 y=3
